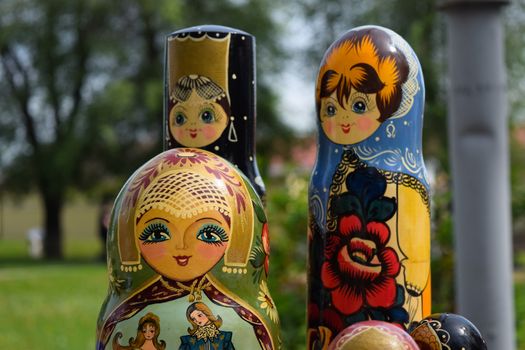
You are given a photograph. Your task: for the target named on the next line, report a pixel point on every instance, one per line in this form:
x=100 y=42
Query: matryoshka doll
x=445 y=331
x=373 y=335
x=209 y=95
x=369 y=221
x=188 y=251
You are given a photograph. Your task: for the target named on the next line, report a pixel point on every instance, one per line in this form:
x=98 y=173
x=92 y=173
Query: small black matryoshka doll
x=447 y=332
x=210 y=97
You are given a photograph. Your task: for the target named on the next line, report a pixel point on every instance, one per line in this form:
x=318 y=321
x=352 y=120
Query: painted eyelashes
x=212 y=234
x=154 y=233
x=158 y=232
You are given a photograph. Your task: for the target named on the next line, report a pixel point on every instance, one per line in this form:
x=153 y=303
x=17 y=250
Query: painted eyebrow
x=157 y=219
x=361 y=94
x=209 y=219
x=208 y=104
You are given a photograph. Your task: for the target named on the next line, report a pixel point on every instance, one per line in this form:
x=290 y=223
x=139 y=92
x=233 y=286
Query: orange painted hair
x=365 y=60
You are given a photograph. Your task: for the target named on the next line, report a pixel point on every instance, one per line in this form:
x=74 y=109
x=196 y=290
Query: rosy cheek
x=210 y=251
x=154 y=251
x=364 y=124
x=328 y=126
x=208 y=131
x=179 y=133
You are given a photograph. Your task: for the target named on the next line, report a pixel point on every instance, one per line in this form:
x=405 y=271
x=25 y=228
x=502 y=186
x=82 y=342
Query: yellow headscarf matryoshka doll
x=188 y=227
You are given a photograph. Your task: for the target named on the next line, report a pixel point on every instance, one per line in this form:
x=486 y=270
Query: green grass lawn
x=54 y=306
x=50 y=305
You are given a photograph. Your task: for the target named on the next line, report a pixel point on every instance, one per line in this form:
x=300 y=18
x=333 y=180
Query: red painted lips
x=182 y=260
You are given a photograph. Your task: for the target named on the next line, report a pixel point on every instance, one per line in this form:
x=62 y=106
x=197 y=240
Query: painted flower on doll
x=359 y=253
x=360 y=270
x=266 y=246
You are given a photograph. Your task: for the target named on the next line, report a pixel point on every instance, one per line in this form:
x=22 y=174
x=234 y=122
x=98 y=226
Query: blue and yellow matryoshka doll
x=188 y=252
x=369 y=229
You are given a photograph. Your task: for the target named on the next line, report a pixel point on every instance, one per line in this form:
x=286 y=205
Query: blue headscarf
x=396 y=146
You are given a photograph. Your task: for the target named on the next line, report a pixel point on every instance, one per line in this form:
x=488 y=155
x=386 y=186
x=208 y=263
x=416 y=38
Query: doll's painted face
x=148 y=330
x=182 y=249
x=199 y=318
x=197 y=122
x=352 y=122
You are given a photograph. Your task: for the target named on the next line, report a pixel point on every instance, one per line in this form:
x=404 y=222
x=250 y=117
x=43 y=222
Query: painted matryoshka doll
x=369 y=229
x=373 y=335
x=447 y=332
x=188 y=251
x=210 y=95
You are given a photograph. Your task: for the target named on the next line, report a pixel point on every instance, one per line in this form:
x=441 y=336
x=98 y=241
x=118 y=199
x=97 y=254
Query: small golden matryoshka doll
x=209 y=97
x=369 y=222
x=188 y=251
x=373 y=335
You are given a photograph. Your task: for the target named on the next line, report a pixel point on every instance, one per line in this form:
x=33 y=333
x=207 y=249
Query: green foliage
x=519 y=293
x=287 y=210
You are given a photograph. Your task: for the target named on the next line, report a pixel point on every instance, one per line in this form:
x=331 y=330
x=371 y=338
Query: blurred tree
x=81 y=88
x=515 y=42
x=57 y=59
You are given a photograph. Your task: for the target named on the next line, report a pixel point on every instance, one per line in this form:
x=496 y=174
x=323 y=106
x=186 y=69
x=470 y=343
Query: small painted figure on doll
x=147 y=335
x=205 y=333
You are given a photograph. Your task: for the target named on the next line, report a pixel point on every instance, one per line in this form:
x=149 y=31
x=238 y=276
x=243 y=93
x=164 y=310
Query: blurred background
x=81 y=89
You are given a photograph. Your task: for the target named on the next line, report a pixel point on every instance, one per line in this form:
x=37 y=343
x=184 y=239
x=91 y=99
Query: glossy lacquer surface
x=446 y=331
x=373 y=335
x=188 y=254
x=210 y=95
x=369 y=222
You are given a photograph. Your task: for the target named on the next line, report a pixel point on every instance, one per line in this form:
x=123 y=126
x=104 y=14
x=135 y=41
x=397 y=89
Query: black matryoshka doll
x=447 y=332
x=188 y=251
x=210 y=95
x=369 y=229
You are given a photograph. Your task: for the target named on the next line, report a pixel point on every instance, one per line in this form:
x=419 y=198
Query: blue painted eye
x=154 y=233
x=180 y=119
x=213 y=234
x=331 y=110
x=207 y=116
x=359 y=107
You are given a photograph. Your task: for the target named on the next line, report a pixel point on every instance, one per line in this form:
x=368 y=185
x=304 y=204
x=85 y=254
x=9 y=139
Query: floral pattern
x=260 y=254
x=188 y=157
x=266 y=247
x=359 y=269
x=266 y=302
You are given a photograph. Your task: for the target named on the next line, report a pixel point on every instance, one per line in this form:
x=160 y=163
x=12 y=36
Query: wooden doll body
x=369 y=230
x=210 y=99
x=373 y=335
x=448 y=332
x=188 y=251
